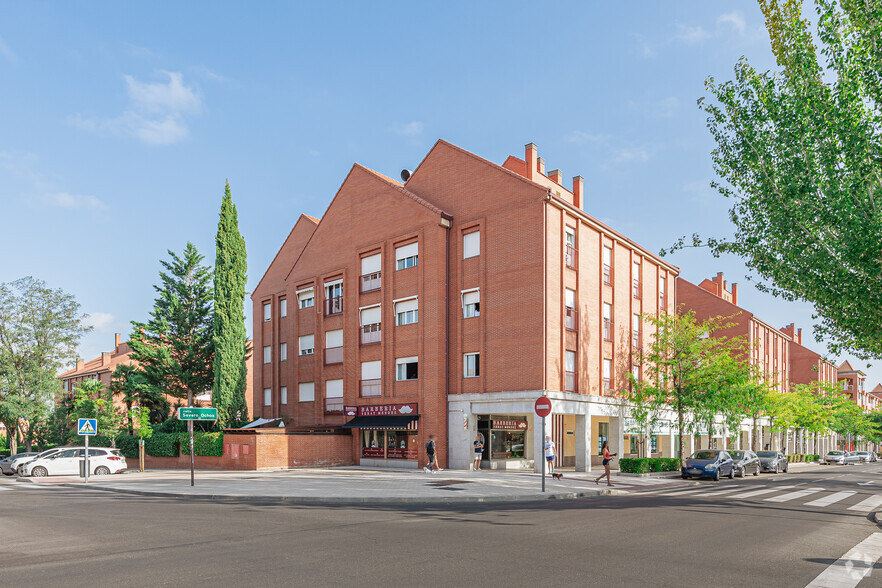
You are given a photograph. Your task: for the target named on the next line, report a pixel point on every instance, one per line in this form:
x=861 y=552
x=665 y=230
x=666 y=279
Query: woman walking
x=607 y=457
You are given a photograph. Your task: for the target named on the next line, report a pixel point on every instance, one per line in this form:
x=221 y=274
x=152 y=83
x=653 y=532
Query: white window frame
x=410 y=313
x=283 y=307
x=407 y=256
x=471 y=308
x=267 y=396
x=570 y=232
x=570 y=360
x=361 y=315
x=267 y=354
x=267 y=311
x=303 y=345
x=306 y=298
x=334 y=289
x=306 y=392
x=283 y=352
x=607 y=311
x=570 y=298
x=401 y=368
x=283 y=393
x=473 y=370
x=471 y=244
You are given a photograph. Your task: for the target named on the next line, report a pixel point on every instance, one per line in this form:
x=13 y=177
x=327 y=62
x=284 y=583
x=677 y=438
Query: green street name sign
x=197 y=414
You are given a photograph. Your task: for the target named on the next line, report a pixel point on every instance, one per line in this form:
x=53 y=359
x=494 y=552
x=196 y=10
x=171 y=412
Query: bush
x=203 y=444
x=634 y=465
x=173 y=425
x=813 y=457
x=128 y=445
x=162 y=445
x=96 y=441
x=664 y=464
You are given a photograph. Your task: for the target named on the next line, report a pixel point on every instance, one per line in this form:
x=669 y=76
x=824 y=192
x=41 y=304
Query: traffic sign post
x=87 y=428
x=190 y=414
x=543 y=409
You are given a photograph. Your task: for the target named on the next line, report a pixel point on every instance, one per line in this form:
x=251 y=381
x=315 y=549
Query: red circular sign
x=543 y=406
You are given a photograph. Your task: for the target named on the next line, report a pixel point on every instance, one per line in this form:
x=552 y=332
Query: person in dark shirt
x=432 y=457
x=479 y=450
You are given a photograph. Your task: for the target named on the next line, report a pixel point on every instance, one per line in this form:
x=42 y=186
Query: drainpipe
x=446 y=222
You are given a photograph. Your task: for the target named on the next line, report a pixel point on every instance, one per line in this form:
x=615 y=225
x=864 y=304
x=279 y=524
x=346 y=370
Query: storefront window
x=507 y=444
x=506 y=436
x=389 y=444
x=602 y=435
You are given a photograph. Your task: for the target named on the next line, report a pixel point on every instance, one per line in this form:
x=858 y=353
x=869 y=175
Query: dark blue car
x=709 y=463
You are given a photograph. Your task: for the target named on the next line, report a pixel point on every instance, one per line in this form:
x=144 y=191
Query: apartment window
x=333 y=297
x=570 y=247
x=307 y=344
x=334 y=396
x=571 y=318
x=471 y=365
x=267 y=397
x=307 y=392
x=636 y=279
x=371 y=379
x=635 y=331
x=284 y=394
x=607 y=266
x=283 y=352
x=406 y=312
x=471 y=303
x=662 y=294
x=607 y=322
x=570 y=371
x=283 y=307
x=370 y=324
x=306 y=298
x=267 y=354
x=607 y=374
x=267 y=312
x=406 y=368
x=635 y=371
x=406 y=256
x=334 y=346
x=371 y=272
x=471 y=244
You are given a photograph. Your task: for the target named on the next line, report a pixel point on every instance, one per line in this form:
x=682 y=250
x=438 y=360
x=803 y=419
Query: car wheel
x=732 y=473
x=39 y=472
x=756 y=472
x=786 y=465
x=717 y=475
x=742 y=472
x=102 y=471
x=777 y=468
x=684 y=476
x=9 y=474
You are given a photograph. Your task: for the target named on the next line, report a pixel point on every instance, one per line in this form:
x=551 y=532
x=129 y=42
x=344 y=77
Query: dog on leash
x=557 y=476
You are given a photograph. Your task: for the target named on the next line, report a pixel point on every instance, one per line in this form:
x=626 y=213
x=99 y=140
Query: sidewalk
x=355 y=485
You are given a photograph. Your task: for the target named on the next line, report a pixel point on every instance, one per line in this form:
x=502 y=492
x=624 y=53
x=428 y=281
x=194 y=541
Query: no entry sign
x=543 y=406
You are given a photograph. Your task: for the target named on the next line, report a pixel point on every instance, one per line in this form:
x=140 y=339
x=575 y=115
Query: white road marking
x=719 y=492
x=794 y=495
x=5 y=488
x=835 y=497
x=758 y=492
x=850 y=569
x=681 y=492
x=868 y=504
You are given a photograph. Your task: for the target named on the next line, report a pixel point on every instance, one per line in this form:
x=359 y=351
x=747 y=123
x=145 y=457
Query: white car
x=47 y=453
x=8 y=465
x=102 y=461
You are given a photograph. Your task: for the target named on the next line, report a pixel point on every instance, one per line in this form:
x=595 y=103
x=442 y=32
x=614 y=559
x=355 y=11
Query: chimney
x=105 y=358
x=531 y=152
x=80 y=364
x=578 y=186
x=116 y=341
x=735 y=293
x=540 y=165
x=799 y=336
x=789 y=331
x=556 y=176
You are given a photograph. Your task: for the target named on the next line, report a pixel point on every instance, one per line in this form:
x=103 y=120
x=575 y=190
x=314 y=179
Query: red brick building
x=807 y=366
x=445 y=305
x=854 y=384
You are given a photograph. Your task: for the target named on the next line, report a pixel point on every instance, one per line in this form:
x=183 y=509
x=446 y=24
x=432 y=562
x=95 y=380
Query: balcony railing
x=570 y=257
x=847 y=386
x=572 y=319
x=571 y=381
x=333 y=405
x=370 y=334
x=607 y=330
x=333 y=355
x=371 y=388
x=637 y=289
x=370 y=282
x=333 y=305
x=607 y=275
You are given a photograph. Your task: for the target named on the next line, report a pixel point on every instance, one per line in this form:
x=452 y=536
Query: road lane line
x=4 y=488
x=835 y=497
x=868 y=504
x=850 y=569
x=719 y=492
x=758 y=492
x=794 y=495
x=682 y=493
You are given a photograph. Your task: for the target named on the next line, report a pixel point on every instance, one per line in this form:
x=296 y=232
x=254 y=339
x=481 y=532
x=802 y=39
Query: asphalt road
x=693 y=537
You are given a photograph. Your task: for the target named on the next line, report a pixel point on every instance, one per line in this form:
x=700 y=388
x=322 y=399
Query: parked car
x=842 y=457
x=746 y=462
x=102 y=461
x=9 y=464
x=709 y=463
x=46 y=453
x=773 y=461
x=866 y=456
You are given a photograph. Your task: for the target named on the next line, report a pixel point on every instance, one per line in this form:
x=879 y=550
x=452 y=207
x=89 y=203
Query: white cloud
x=410 y=129
x=736 y=19
x=630 y=154
x=67 y=200
x=101 y=322
x=157 y=112
x=6 y=52
x=583 y=137
x=691 y=35
x=210 y=75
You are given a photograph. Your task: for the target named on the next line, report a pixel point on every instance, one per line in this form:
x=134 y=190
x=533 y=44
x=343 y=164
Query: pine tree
x=175 y=347
x=230 y=343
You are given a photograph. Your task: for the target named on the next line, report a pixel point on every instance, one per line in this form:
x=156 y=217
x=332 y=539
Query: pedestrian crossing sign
x=87 y=426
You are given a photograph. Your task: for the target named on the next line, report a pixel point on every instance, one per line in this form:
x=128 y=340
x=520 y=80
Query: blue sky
x=119 y=123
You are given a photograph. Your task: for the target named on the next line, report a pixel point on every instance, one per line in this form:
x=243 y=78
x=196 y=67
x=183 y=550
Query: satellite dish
x=405 y=175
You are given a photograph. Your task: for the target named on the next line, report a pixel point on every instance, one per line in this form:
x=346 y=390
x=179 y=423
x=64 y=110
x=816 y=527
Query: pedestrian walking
x=549 y=454
x=607 y=457
x=479 y=451
x=431 y=455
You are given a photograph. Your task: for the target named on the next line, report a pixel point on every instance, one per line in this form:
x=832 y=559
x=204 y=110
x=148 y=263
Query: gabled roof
x=302 y=231
x=846 y=368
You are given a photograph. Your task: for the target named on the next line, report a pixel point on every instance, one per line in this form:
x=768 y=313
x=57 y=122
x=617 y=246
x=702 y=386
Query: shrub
x=128 y=445
x=634 y=465
x=203 y=444
x=813 y=457
x=96 y=441
x=664 y=464
x=162 y=445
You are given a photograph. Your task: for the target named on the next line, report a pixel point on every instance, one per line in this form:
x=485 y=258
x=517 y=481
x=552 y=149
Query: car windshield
x=47 y=453
x=705 y=455
x=836 y=453
x=737 y=454
x=766 y=453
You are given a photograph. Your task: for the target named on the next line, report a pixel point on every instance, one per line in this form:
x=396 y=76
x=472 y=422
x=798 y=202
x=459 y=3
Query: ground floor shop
x=385 y=434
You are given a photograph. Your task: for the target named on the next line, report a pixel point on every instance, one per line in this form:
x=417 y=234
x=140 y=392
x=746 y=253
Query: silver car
x=866 y=456
x=11 y=463
x=842 y=457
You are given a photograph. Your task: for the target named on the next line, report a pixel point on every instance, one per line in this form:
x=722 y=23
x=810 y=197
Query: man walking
x=432 y=457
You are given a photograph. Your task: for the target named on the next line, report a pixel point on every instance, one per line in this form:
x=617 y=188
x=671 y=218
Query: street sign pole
x=190 y=414
x=87 y=459
x=192 y=467
x=543 y=455
x=543 y=409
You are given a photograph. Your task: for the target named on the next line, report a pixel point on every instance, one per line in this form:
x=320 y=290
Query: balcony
x=333 y=355
x=333 y=305
x=370 y=334
x=570 y=257
x=607 y=330
x=571 y=381
x=847 y=386
x=572 y=319
x=637 y=289
x=607 y=275
x=371 y=388
x=370 y=282
x=333 y=405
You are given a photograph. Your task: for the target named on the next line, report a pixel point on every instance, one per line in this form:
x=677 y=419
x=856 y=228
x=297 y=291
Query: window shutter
x=334 y=389
x=307 y=391
x=406 y=251
x=371 y=264
x=370 y=316
x=371 y=370
x=471 y=298
x=334 y=338
x=406 y=305
x=471 y=244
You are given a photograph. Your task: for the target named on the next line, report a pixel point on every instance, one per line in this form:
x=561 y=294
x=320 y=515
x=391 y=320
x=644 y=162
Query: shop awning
x=381 y=422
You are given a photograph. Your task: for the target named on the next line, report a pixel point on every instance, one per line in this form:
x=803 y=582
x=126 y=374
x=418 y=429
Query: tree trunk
x=753 y=436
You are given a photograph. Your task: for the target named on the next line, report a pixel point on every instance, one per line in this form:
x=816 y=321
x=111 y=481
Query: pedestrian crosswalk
x=817 y=497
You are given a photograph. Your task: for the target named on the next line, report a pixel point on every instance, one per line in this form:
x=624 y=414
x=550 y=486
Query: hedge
x=211 y=444
x=127 y=445
x=664 y=464
x=803 y=457
x=644 y=465
x=162 y=445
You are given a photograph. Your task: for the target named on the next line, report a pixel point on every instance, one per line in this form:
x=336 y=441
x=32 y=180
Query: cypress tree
x=230 y=343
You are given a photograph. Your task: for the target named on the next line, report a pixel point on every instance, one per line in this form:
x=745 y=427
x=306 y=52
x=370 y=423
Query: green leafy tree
x=131 y=384
x=230 y=343
x=40 y=329
x=93 y=401
x=174 y=348
x=799 y=153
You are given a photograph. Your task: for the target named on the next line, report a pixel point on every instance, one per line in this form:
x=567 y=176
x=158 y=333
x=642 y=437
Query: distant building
x=854 y=384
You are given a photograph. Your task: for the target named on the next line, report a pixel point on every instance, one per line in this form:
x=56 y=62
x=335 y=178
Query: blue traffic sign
x=87 y=426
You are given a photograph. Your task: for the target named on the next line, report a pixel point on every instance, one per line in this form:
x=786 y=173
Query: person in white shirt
x=549 y=454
